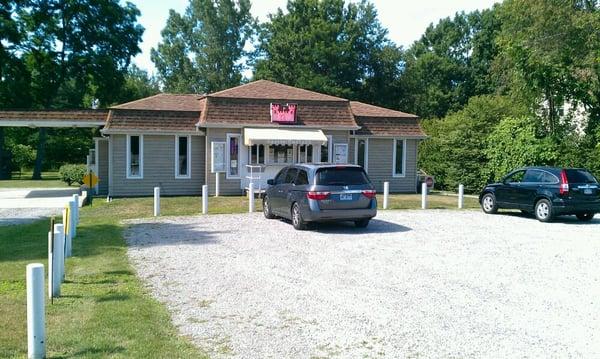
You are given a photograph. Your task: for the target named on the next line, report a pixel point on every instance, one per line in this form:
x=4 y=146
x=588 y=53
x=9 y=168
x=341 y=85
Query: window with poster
x=340 y=153
x=233 y=155
x=256 y=155
x=281 y=154
x=305 y=154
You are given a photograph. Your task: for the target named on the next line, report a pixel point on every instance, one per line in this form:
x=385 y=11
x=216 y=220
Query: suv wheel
x=543 y=210
x=488 y=203
x=297 y=220
x=362 y=223
x=585 y=217
x=267 y=208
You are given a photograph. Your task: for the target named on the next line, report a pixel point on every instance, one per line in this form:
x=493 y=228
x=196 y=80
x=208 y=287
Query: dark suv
x=307 y=193
x=546 y=192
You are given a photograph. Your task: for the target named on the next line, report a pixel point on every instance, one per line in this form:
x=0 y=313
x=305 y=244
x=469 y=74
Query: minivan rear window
x=341 y=176
x=580 y=176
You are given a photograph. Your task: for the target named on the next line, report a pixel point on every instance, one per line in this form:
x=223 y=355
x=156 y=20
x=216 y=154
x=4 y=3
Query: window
x=341 y=176
x=257 y=155
x=281 y=153
x=326 y=150
x=135 y=156
x=305 y=153
x=399 y=158
x=183 y=149
x=340 y=153
x=516 y=177
x=291 y=175
x=233 y=155
x=361 y=152
x=302 y=178
x=537 y=176
x=280 y=176
x=580 y=176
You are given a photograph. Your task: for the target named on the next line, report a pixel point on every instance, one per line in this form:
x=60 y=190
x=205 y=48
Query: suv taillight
x=564 y=183
x=369 y=193
x=317 y=195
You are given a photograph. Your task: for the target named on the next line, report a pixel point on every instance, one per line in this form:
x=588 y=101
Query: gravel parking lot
x=415 y=283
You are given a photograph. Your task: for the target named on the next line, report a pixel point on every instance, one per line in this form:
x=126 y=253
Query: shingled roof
x=159 y=121
x=366 y=110
x=53 y=118
x=380 y=121
x=269 y=90
x=166 y=102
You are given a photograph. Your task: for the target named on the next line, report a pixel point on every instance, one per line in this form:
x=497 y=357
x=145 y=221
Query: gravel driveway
x=415 y=283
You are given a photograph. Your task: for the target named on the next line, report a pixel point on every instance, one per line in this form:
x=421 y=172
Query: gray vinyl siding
x=158 y=167
x=339 y=137
x=227 y=187
x=381 y=154
x=102 y=166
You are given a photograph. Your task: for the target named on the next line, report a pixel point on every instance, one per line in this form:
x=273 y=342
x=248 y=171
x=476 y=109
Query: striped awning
x=284 y=136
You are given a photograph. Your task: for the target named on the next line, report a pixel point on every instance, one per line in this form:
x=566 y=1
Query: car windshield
x=580 y=176
x=341 y=176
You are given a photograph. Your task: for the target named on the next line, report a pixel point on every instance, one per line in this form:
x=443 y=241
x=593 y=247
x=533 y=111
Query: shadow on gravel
x=164 y=233
x=50 y=193
x=559 y=219
x=375 y=226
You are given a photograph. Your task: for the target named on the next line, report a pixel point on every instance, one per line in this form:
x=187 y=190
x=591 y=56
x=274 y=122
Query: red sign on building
x=283 y=113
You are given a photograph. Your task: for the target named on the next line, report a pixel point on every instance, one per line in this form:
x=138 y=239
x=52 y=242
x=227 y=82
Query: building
x=246 y=133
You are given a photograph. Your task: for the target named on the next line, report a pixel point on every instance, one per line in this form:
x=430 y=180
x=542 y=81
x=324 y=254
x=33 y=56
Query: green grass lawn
x=49 y=180
x=104 y=311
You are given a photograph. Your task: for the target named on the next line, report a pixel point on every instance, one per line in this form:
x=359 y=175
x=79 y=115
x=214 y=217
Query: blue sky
x=405 y=20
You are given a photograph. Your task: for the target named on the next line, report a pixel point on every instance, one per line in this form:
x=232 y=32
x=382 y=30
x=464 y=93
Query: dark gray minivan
x=306 y=193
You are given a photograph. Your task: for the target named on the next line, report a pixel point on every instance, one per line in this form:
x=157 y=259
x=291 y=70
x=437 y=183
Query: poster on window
x=218 y=157
x=340 y=153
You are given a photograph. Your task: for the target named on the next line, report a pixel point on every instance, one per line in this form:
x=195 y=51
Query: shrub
x=72 y=173
x=23 y=156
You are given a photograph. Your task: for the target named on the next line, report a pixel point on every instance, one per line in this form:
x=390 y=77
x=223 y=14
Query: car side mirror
x=271 y=182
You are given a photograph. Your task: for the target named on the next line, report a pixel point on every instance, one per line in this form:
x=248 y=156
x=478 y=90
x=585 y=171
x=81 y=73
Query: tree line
x=516 y=84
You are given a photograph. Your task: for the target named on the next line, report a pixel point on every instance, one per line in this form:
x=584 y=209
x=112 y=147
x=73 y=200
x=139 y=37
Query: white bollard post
x=60 y=250
x=54 y=278
x=156 y=201
x=386 y=194
x=73 y=218
x=204 y=199
x=36 y=332
x=424 y=195
x=251 y=197
x=217 y=184
x=461 y=196
x=68 y=242
x=76 y=199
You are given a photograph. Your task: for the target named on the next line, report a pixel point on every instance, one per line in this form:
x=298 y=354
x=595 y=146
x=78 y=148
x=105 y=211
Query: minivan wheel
x=543 y=211
x=267 y=208
x=362 y=223
x=585 y=217
x=488 y=203
x=297 y=220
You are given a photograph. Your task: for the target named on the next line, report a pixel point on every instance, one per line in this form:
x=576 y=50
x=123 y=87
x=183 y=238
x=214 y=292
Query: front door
x=506 y=194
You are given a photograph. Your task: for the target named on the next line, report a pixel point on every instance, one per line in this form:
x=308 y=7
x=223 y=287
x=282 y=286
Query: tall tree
x=450 y=63
x=203 y=50
x=329 y=46
x=550 y=53
x=75 y=50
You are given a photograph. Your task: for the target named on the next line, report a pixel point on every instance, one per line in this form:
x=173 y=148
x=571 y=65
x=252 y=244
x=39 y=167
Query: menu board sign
x=218 y=157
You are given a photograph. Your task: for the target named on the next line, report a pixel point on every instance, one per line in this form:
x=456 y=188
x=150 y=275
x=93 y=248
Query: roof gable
x=269 y=90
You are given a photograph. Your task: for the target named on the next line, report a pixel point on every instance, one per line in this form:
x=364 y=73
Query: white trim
x=228 y=153
x=390 y=137
x=403 y=174
x=110 y=167
x=189 y=157
x=366 y=152
x=333 y=155
x=128 y=160
x=329 y=150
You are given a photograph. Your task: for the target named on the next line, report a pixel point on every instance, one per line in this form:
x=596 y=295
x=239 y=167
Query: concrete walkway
x=35 y=197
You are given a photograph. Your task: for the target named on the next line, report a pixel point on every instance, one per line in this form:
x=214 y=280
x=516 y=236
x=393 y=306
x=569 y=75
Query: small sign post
x=90 y=180
x=36 y=332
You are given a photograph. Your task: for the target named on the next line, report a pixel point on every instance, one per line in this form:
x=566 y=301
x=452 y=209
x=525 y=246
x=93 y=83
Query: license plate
x=587 y=191
x=345 y=197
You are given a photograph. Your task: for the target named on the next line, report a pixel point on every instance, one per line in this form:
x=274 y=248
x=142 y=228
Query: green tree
x=549 y=54
x=23 y=156
x=137 y=85
x=450 y=63
x=517 y=142
x=453 y=153
x=72 y=50
x=202 y=50
x=332 y=47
